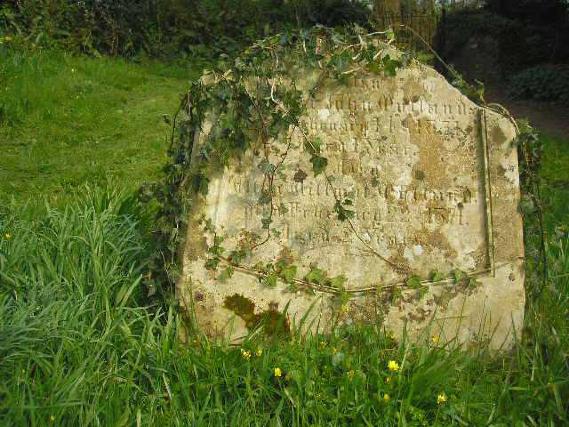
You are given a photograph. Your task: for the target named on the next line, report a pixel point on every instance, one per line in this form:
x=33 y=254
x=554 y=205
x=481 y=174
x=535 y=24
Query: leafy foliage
x=167 y=28
x=543 y=83
x=258 y=117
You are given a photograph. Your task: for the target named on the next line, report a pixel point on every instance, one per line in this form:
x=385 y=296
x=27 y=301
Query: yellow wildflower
x=278 y=372
x=388 y=380
x=393 y=366
x=435 y=339
x=441 y=399
x=386 y=397
x=8 y=236
x=245 y=354
x=259 y=352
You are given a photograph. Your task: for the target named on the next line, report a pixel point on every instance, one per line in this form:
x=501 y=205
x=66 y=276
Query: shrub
x=168 y=27
x=543 y=83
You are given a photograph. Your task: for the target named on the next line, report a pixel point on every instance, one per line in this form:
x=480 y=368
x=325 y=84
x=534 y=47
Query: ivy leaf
x=270 y=280
x=343 y=213
x=316 y=275
x=436 y=276
x=313 y=147
x=212 y=263
x=226 y=274
x=338 y=281
x=265 y=197
x=288 y=273
x=285 y=270
x=390 y=66
x=319 y=164
x=266 y=167
x=266 y=222
x=237 y=256
x=458 y=276
x=414 y=282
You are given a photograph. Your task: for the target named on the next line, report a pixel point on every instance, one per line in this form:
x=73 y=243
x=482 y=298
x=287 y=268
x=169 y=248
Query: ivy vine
x=251 y=104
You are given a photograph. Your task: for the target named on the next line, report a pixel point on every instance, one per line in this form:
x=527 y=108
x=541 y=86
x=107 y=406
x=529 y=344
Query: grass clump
x=81 y=345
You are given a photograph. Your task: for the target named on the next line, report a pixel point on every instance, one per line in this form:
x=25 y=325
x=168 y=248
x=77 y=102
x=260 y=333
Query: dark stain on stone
x=273 y=322
x=498 y=136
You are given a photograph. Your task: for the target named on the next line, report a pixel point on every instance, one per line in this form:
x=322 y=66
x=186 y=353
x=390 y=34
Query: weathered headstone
x=414 y=221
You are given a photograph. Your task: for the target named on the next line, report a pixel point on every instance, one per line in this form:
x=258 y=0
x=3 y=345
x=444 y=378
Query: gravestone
x=414 y=222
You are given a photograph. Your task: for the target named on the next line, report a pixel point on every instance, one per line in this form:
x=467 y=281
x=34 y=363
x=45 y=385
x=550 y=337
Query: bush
x=522 y=41
x=167 y=27
x=543 y=83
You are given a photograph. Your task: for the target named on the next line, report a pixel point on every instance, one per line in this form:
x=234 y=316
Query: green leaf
x=316 y=275
x=338 y=281
x=343 y=213
x=458 y=276
x=266 y=222
x=287 y=272
x=270 y=280
x=212 y=263
x=319 y=164
x=436 y=276
x=266 y=167
x=390 y=66
x=313 y=147
x=265 y=197
x=226 y=274
x=414 y=282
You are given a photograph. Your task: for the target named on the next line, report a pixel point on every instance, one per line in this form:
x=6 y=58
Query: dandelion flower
x=393 y=366
x=441 y=399
x=278 y=373
x=435 y=339
x=259 y=352
x=245 y=354
x=386 y=397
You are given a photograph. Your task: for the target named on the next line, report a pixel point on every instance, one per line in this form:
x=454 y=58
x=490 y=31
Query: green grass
x=79 y=347
x=555 y=174
x=66 y=120
x=81 y=344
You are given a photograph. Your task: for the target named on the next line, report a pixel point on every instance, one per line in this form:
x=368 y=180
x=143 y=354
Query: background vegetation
x=83 y=340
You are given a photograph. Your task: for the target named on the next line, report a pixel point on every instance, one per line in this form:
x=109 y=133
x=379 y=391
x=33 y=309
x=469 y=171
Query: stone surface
x=433 y=182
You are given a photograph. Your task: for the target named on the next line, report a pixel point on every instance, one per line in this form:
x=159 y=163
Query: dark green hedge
x=543 y=83
x=167 y=27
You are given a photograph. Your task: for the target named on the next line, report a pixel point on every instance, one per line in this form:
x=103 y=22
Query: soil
x=549 y=118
